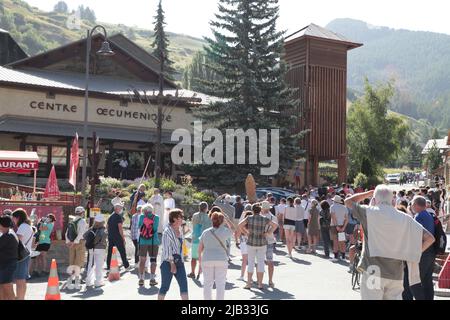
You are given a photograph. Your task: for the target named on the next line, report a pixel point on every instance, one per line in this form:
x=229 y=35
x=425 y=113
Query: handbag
x=23 y=251
x=341 y=236
x=221 y=243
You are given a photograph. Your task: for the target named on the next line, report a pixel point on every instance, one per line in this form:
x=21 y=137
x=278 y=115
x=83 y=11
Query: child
x=97 y=254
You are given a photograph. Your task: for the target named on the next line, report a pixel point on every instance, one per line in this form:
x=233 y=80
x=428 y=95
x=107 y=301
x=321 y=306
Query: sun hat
x=337 y=199
x=79 y=210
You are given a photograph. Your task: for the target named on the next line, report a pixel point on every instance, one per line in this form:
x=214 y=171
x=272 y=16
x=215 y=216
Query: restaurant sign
x=18 y=166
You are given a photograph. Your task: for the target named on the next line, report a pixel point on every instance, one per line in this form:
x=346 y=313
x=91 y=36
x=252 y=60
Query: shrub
x=361 y=180
x=168 y=185
x=201 y=196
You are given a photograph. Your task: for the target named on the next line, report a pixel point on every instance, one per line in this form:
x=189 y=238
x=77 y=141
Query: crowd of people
x=398 y=240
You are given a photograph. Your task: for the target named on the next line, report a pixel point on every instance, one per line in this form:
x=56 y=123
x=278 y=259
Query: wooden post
x=34 y=184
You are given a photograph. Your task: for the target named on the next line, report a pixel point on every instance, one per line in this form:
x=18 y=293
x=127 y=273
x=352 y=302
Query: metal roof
x=102 y=84
x=441 y=144
x=313 y=30
x=3 y=31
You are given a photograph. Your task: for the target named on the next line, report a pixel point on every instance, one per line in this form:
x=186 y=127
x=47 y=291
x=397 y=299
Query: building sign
x=130 y=114
x=18 y=166
x=60 y=107
x=101 y=111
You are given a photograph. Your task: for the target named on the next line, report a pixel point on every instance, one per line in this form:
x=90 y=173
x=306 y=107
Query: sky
x=191 y=17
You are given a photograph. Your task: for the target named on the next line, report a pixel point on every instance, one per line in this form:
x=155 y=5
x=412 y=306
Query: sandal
x=261 y=287
x=271 y=284
x=191 y=275
x=247 y=287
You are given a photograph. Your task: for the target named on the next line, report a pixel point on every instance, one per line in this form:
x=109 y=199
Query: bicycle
x=356 y=275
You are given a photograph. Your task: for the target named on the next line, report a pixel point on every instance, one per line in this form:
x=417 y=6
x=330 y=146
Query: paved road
x=307 y=277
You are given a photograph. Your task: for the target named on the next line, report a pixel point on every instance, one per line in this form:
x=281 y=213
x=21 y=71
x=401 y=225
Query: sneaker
x=141 y=282
x=153 y=282
x=128 y=268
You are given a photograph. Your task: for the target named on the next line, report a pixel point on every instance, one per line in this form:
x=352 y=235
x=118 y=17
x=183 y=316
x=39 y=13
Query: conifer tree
x=245 y=54
x=161 y=43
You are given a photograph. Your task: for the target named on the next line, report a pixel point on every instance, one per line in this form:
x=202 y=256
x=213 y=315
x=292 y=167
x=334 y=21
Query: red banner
x=41 y=211
x=18 y=166
x=52 y=189
x=74 y=162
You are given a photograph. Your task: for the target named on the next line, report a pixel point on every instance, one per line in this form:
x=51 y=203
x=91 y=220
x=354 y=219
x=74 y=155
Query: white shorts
x=243 y=247
x=289 y=227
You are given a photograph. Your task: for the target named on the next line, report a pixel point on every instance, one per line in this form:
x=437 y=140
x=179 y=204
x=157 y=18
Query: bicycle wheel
x=356 y=281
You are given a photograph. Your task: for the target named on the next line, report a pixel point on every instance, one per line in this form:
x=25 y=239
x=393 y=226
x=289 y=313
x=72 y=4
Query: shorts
x=243 y=247
x=21 y=272
x=269 y=252
x=305 y=222
x=289 y=227
x=7 y=273
x=77 y=254
x=300 y=227
x=194 y=251
x=150 y=249
x=43 y=247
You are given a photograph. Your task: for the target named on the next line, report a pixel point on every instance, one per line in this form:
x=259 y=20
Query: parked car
x=393 y=178
x=278 y=193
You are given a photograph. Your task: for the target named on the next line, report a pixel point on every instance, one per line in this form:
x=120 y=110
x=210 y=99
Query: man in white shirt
x=123 y=168
x=265 y=212
x=339 y=220
x=157 y=202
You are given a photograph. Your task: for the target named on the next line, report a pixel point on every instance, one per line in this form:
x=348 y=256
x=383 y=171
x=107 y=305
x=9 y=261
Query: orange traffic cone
x=53 y=283
x=114 y=273
x=444 y=275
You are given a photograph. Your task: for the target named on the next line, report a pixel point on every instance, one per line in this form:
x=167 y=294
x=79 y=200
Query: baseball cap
x=79 y=210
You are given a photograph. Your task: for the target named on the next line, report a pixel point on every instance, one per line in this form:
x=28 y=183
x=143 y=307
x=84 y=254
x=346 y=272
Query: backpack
x=89 y=236
x=440 y=245
x=146 y=231
x=72 y=230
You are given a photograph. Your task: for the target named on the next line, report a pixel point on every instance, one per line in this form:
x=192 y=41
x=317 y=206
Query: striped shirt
x=170 y=244
x=135 y=227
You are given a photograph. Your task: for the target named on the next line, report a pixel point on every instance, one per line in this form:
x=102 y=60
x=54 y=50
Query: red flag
x=74 y=162
x=51 y=189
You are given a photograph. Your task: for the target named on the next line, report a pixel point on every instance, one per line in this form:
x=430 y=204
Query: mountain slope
x=419 y=62
x=37 y=31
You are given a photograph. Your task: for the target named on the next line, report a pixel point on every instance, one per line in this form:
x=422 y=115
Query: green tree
x=161 y=43
x=245 y=55
x=374 y=136
x=61 y=7
x=433 y=159
x=198 y=73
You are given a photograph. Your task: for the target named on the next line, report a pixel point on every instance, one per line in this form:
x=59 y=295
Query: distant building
x=9 y=49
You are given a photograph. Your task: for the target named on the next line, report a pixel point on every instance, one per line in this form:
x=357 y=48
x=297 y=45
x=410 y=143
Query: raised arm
x=358 y=198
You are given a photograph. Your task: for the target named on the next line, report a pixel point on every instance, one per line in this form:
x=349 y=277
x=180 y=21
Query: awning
x=18 y=162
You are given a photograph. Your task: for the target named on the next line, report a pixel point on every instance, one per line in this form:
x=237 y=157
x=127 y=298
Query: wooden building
x=317 y=60
x=9 y=49
x=42 y=107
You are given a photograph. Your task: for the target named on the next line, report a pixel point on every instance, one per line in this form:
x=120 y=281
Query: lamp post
x=105 y=50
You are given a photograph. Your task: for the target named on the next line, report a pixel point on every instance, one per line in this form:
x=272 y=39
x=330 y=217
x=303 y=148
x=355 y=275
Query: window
x=59 y=156
x=42 y=152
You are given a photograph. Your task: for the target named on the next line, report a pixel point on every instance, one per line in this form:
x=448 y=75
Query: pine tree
x=161 y=43
x=198 y=73
x=245 y=55
x=61 y=7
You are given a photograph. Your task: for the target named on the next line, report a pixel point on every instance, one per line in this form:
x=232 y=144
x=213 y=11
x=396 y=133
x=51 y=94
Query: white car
x=393 y=178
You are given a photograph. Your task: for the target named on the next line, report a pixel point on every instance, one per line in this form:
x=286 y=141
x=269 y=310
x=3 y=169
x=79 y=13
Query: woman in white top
x=25 y=234
x=213 y=256
x=290 y=217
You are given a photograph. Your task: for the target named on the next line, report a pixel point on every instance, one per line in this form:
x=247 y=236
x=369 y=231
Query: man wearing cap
x=265 y=212
x=339 y=220
x=116 y=236
x=77 y=249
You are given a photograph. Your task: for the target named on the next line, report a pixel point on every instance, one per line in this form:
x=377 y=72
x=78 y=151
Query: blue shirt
x=153 y=240
x=426 y=220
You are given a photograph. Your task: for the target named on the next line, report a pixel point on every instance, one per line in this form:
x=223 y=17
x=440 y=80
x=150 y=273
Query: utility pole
x=159 y=121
